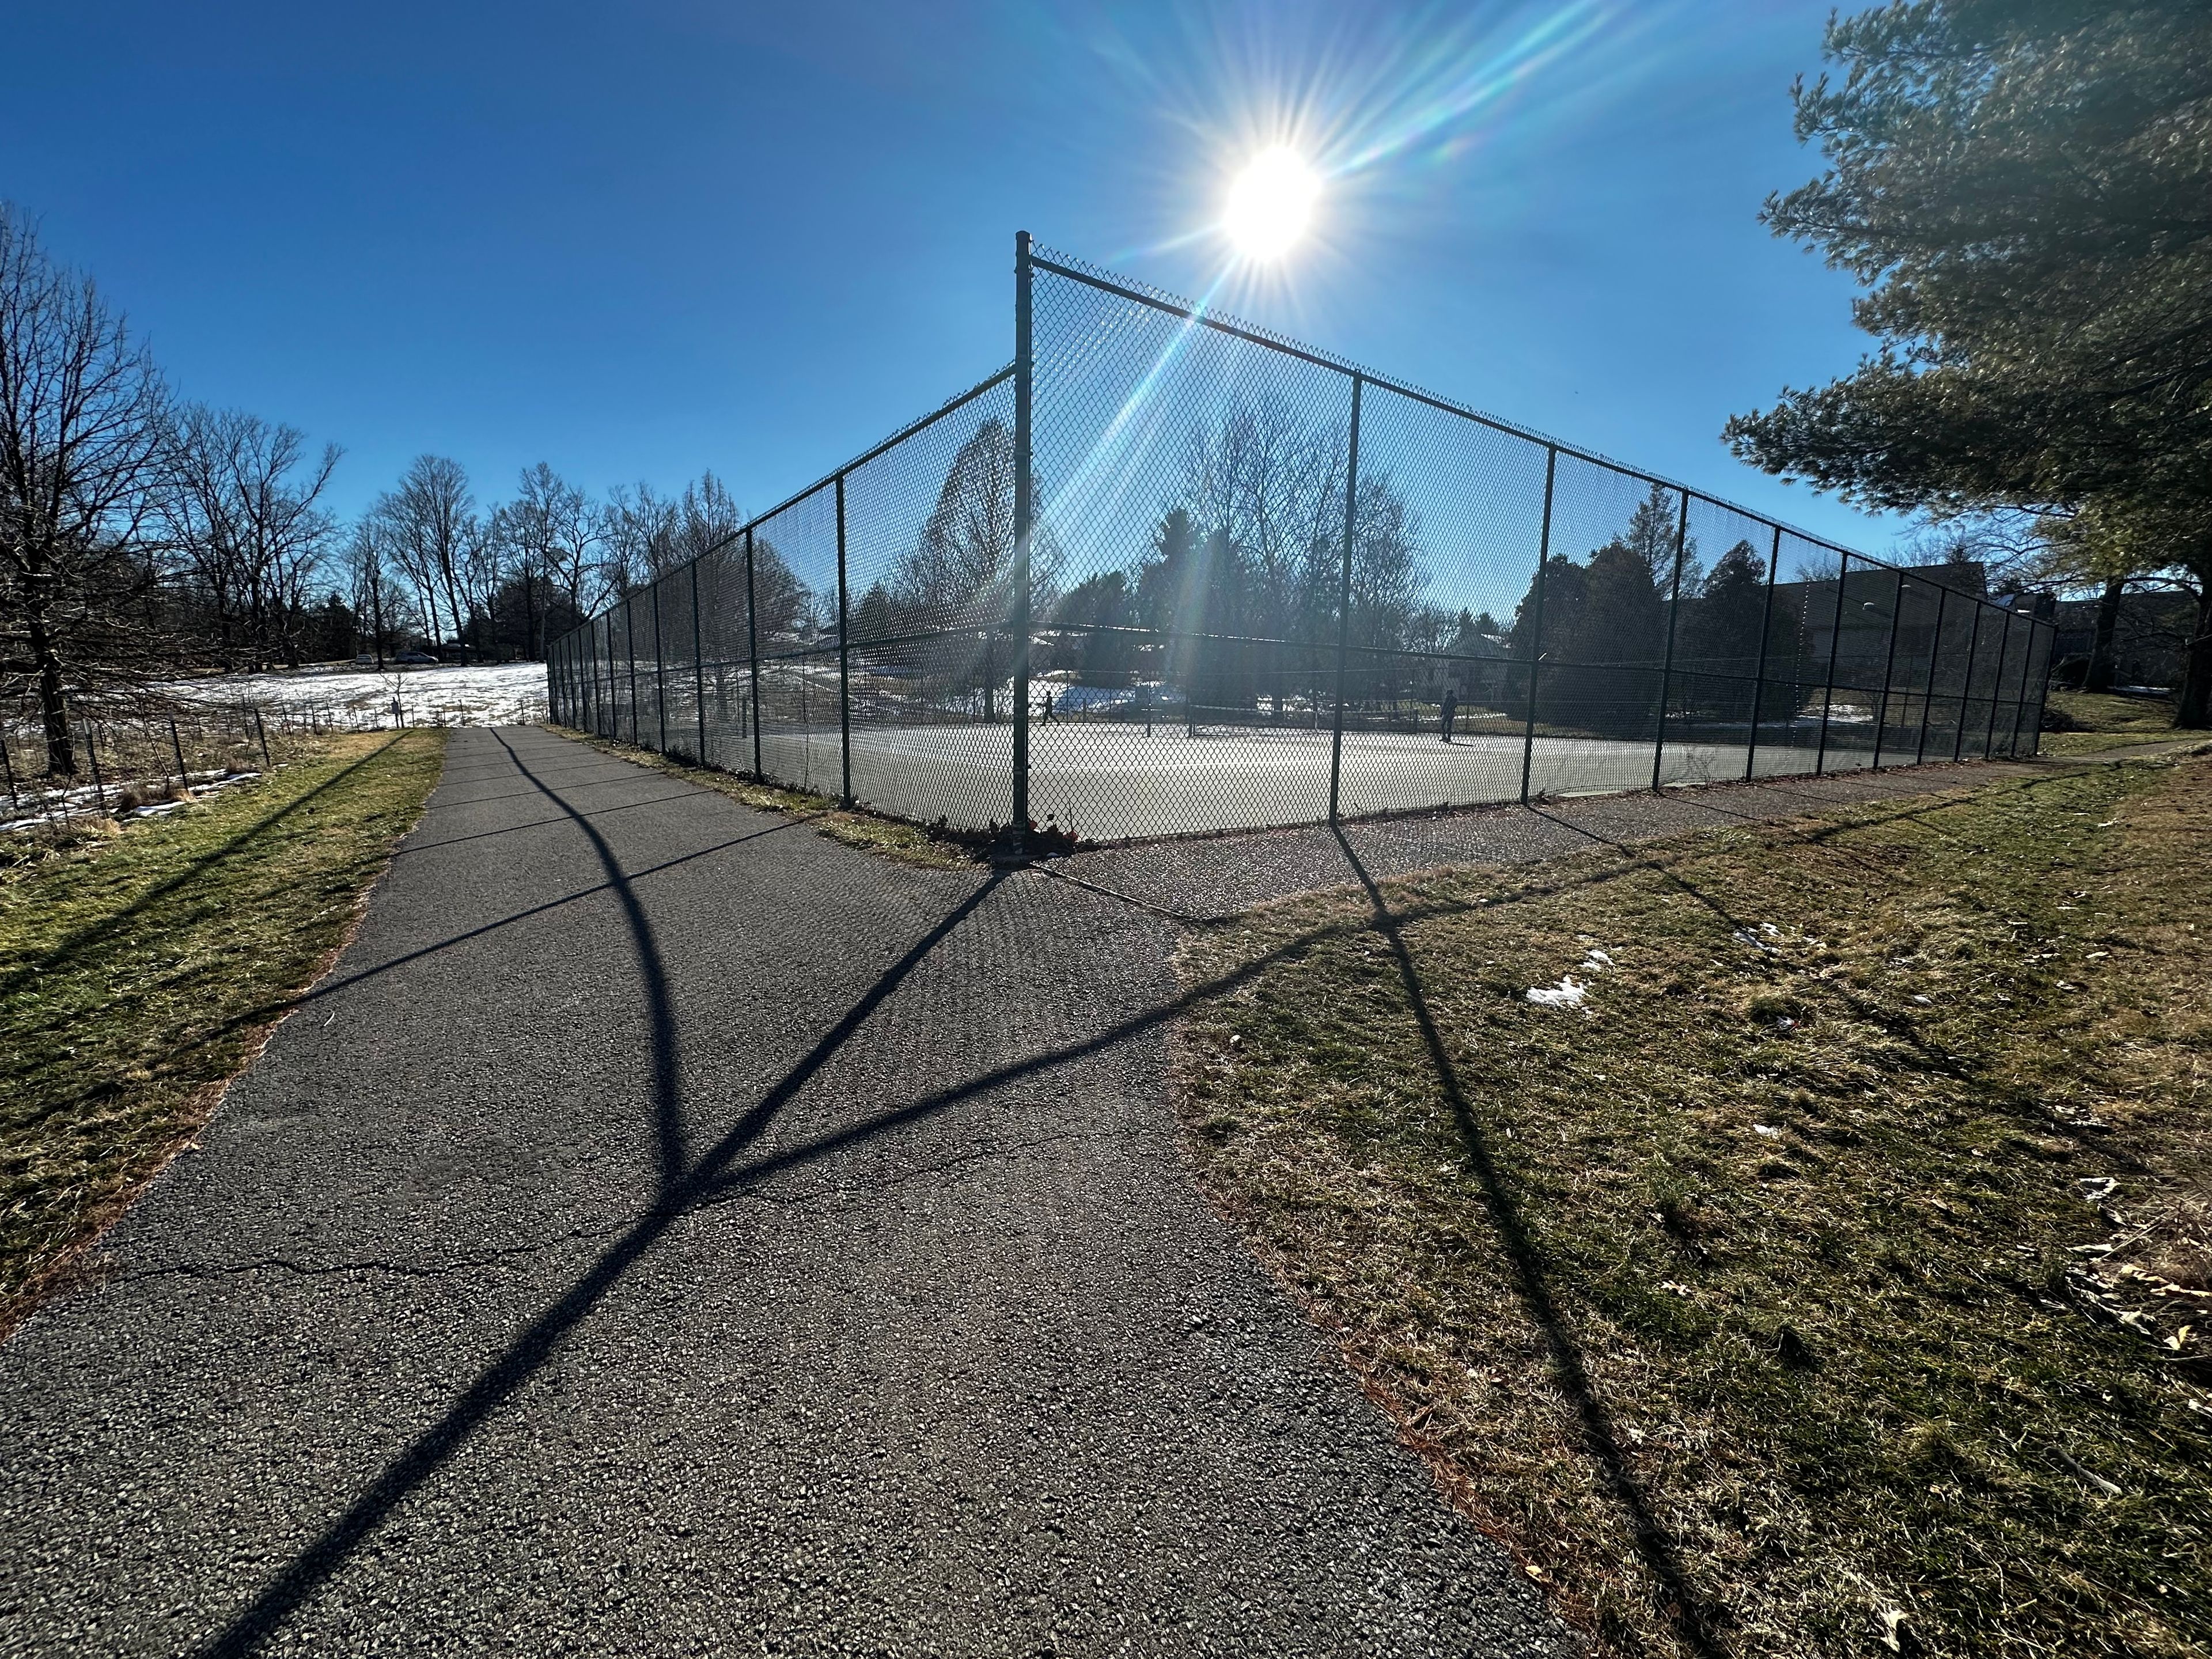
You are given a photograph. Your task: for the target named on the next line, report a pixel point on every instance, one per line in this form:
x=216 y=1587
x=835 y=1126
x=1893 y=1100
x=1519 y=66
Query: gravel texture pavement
x=667 y=1231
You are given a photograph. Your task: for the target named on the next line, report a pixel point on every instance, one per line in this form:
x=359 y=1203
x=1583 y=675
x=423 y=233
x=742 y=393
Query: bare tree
x=368 y=577
x=707 y=520
x=1270 y=486
x=959 y=570
x=240 y=502
x=81 y=411
x=638 y=538
x=429 y=526
x=553 y=535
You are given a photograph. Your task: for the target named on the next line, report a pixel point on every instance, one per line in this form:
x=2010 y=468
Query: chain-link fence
x=1168 y=573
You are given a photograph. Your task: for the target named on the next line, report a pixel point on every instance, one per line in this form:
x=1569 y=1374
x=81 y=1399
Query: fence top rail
x=1144 y=294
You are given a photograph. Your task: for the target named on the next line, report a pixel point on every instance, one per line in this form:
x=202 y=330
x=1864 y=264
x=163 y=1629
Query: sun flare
x=1271 y=203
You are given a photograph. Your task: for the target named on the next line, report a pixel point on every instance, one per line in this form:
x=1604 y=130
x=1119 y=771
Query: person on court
x=1451 y=707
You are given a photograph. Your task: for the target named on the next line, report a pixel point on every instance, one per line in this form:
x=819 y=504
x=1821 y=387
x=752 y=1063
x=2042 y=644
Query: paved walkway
x=669 y=1231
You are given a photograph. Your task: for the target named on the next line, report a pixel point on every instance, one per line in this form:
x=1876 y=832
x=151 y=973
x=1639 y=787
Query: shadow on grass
x=84 y=939
x=1526 y=1264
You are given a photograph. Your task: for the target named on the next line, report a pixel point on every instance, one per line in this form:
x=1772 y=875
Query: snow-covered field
x=131 y=750
x=492 y=694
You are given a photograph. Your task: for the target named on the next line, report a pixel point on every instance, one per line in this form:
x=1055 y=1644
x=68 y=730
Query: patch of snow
x=450 y=694
x=1568 y=992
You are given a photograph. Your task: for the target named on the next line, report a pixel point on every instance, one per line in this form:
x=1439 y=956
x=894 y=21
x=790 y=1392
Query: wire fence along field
x=1168 y=573
x=149 y=754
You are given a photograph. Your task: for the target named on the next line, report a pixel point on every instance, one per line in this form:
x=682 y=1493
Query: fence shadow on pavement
x=683 y=1182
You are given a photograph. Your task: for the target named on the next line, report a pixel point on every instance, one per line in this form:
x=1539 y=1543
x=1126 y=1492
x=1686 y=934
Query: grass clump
x=890 y=838
x=140 y=969
x=1835 y=1279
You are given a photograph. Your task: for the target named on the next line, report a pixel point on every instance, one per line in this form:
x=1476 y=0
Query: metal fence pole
x=2020 y=702
x=629 y=637
x=844 y=659
x=1835 y=647
x=1025 y=508
x=1674 y=614
x=263 y=732
x=752 y=654
x=92 y=754
x=1344 y=597
x=1536 y=620
x=2042 y=691
x=1966 y=685
x=698 y=665
x=6 y=760
x=660 y=670
x=1996 y=686
x=1934 y=654
x=176 y=748
x=1758 y=674
x=1888 y=668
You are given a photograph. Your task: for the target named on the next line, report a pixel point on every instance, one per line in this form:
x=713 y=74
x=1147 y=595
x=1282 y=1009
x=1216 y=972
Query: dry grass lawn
x=1835 y=1278
x=139 y=970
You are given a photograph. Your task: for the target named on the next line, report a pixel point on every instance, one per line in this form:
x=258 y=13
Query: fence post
x=1758 y=674
x=262 y=731
x=1024 y=509
x=177 y=747
x=1536 y=621
x=660 y=668
x=1888 y=668
x=629 y=638
x=1996 y=686
x=92 y=754
x=1344 y=595
x=698 y=665
x=844 y=659
x=2020 y=702
x=2042 y=691
x=1835 y=647
x=1674 y=616
x=752 y=654
x=1934 y=653
x=1966 y=685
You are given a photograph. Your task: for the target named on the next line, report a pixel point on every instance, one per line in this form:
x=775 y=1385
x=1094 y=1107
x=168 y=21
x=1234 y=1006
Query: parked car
x=367 y=660
x=414 y=657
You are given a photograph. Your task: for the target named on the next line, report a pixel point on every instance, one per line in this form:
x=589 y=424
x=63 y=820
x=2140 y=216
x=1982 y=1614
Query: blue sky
x=646 y=240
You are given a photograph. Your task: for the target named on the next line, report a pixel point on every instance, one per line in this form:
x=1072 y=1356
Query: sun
x=1271 y=203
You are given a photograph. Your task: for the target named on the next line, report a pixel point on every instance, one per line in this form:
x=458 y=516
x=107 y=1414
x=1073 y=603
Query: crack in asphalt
x=761 y=1192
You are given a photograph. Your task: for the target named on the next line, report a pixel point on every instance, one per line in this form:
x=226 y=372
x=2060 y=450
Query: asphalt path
x=667 y=1231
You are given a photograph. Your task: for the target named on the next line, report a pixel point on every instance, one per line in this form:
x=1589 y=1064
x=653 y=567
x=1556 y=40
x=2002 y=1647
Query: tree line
x=143 y=535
